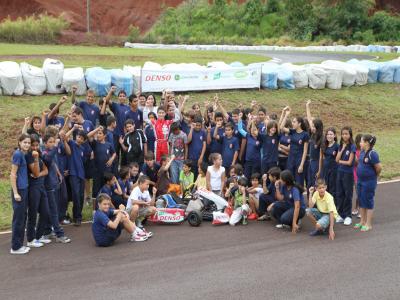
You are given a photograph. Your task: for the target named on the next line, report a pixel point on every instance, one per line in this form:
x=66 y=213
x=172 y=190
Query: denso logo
x=170 y=218
x=158 y=78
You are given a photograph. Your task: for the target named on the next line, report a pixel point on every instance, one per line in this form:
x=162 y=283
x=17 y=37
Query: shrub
x=40 y=29
x=134 y=34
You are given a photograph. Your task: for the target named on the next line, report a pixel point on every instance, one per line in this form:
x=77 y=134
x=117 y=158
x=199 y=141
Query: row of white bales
x=53 y=78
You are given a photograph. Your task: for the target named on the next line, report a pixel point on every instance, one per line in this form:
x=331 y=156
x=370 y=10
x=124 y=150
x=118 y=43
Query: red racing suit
x=161 y=129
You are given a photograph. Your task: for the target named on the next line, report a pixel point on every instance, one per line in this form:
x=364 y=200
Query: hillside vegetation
x=275 y=22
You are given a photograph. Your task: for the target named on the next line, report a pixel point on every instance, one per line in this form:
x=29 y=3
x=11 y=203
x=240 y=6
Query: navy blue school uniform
x=125 y=186
x=51 y=183
x=37 y=201
x=297 y=141
x=261 y=127
x=62 y=192
x=270 y=151
x=106 y=189
x=215 y=146
x=253 y=152
x=76 y=178
x=103 y=235
x=229 y=147
x=91 y=112
x=185 y=127
x=283 y=211
x=152 y=173
x=314 y=151
x=56 y=121
x=136 y=117
x=19 y=207
x=103 y=119
x=119 y=111
x=151 y=137
x=345 y=183
x=86 y=125
x=102 y=154
x=367 y=178
x=282 y=157
x=196 y=145
x=330 y=168
x=266 y=200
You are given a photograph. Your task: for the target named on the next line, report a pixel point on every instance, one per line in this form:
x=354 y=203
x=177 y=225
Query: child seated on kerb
x=324 y=214
x=108 y=223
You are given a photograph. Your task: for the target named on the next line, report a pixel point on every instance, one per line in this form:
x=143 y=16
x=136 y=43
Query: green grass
x=115 y=57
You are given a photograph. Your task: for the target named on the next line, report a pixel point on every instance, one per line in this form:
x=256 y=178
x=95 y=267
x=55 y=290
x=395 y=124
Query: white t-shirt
x=258 y=192
x=138 y=195
x=215 y=177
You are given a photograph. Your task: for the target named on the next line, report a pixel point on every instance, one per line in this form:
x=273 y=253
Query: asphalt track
x=243 y=262
x=307 y=57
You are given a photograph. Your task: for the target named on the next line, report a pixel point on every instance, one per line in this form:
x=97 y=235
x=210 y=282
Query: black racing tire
x=194 y=218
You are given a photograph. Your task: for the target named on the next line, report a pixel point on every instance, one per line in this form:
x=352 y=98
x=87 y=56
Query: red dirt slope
x=107 y=17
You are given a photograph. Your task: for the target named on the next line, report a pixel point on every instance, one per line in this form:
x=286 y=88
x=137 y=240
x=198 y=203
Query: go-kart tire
x=194 y=218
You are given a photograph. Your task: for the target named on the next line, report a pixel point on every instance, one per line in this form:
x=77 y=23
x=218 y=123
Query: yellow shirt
x=326 y=204
x=201 y=182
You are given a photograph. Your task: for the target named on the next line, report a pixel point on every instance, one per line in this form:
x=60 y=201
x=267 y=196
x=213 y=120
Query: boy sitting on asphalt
x=324 y=215
x=108 y=223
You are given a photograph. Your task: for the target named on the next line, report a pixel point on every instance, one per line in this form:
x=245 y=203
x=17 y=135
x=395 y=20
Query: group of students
x=122 y=154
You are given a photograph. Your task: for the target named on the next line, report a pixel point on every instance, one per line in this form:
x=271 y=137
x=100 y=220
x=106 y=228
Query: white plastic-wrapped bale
x=285 y=78
x=123 y=80
x=54 y=71
x=349 y=74
x=34 y=79
x=136 y=76
x=74 y=77
x=372 y=66
x=300 y=76
x=98 y=80
x=11 y=78
x=362 y=74
x=396 y=64
x=316 y=77
x=334 y=77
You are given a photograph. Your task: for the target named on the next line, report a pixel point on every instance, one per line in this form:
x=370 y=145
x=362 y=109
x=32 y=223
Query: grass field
x=373 y=108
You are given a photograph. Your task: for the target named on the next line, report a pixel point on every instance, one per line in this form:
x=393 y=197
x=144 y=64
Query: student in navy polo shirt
x=112 y=188
x=51 y=183
x=368 y=169
x=345 y=176
x=91 y=111
x=75 y=151
x=124 y=181
x=290 y=207
x=77 y=118
x=104 y=156
x=134 y=113
x=150 y=168
x=270 y=146
x=299 y=138
x=37 y=194
x=329 y=149
x=261 y=119
x=268 y=197
x=284 y=146
x=252 y=162
x=230 y=146
x=218 y=130
x=52 y=118
x=197 y=139
x=19 y=194
x=150 y=132
x=108 y=223
x=317 y=133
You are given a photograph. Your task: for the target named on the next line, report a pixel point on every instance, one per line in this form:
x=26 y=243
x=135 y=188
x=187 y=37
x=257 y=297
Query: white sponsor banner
x=199 y=80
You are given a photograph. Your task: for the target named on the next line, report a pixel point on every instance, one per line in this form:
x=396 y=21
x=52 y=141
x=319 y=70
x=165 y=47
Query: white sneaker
x=22 y=250
x=347 y=221
x=138 y=237
x=339 y=219
x=282 y=226
x=35 y=244
x=149 y=234
x=44 y=240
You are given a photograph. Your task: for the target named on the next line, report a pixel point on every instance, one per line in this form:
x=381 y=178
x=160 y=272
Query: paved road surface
x=305 y=57
x=180 y=262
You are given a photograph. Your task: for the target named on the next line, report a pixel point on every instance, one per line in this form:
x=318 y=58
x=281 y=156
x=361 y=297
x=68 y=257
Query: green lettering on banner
x=240 y=74
x=217 y=76
x=177 y=77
